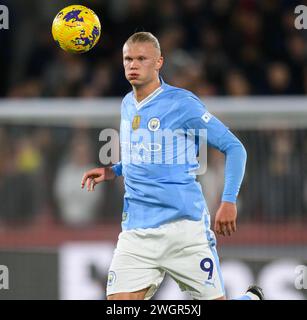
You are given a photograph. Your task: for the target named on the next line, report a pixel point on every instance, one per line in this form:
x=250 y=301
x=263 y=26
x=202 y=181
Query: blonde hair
x=144 y=37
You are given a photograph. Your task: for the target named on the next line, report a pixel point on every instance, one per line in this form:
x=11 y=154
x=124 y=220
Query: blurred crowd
x=274 y=188
x=220 y=47
x=41 y=170
x=40 y=178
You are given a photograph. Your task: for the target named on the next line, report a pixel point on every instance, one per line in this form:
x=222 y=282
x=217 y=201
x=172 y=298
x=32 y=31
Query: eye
x=128 y=59
x=141 y=58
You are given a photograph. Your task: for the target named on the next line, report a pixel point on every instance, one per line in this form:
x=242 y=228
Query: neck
x=141 y=92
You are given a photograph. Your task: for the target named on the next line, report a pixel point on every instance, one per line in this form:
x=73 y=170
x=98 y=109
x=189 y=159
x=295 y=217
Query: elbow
x=234 y=146
x=244 y=152
x=239 y=150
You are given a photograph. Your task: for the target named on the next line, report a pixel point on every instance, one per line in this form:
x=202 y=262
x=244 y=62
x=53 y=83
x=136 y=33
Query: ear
x=159 y=63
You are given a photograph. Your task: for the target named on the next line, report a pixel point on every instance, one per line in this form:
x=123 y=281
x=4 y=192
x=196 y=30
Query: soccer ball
x=76 y=29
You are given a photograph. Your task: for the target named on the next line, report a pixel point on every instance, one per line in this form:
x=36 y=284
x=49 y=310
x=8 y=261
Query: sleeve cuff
x=117 y=169
x=229 y=198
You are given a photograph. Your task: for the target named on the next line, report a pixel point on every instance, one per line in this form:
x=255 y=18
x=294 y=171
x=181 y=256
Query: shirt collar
x=154 y=94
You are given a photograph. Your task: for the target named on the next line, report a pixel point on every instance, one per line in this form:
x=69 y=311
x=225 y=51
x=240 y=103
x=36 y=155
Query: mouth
x=132 y=76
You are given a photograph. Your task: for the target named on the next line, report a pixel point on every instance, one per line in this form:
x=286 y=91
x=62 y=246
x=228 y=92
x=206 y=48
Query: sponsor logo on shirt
x=207 y=116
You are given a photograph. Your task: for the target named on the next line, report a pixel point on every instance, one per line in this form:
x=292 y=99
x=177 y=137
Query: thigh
x=138 y=295
x=197 y=272
x=193 y=261
x=133 y=274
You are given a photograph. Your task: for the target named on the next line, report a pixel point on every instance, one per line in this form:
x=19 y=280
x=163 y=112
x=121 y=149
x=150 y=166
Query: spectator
x=77 y=209
x=236 y=84
x=282 y=196
x=21 y=170
x=278 y=79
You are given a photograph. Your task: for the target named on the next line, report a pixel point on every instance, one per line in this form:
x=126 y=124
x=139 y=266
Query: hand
x=225 y=219
x=95 y=176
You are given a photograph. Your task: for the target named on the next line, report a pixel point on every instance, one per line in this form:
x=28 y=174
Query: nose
x=134 y=64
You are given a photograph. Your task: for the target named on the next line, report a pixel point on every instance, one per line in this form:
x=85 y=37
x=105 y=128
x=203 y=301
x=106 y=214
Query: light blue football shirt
x=158 y=169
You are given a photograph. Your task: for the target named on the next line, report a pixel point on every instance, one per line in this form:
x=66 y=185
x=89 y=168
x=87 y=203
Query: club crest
x=153 y=124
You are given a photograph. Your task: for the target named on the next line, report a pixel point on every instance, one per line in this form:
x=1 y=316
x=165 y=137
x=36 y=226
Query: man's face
x=142 y=62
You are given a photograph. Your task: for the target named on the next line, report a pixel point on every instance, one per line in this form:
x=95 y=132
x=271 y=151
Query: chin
x=135 y=82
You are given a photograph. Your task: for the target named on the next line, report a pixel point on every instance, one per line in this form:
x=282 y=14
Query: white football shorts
x=184 y=249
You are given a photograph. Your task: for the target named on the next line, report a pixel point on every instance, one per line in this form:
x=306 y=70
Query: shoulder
x=185 y=103
x=182 y=97
x=127 y=98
